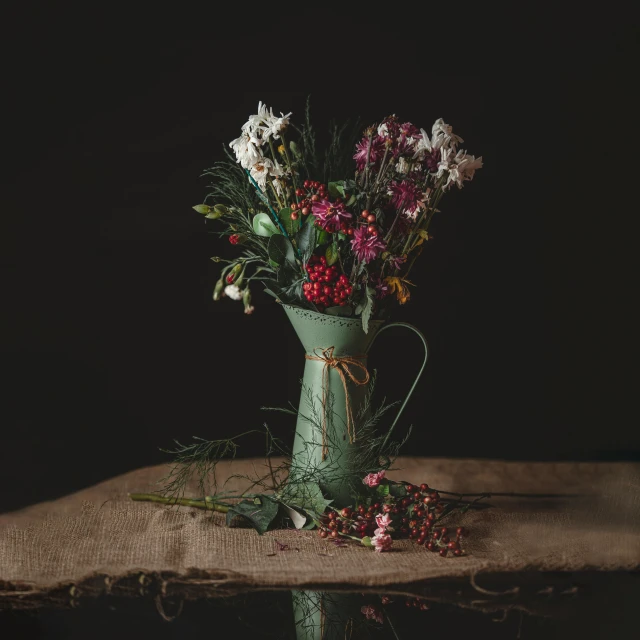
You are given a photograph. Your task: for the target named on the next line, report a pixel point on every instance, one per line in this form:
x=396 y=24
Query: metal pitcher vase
x=333 y=401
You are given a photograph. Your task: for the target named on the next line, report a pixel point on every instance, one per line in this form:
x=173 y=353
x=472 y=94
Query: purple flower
x=404 y=195
x=377 y=151
x=366 y=246
x=373 y=479
x=382 y=542
x=432 y=159
x=330 y=215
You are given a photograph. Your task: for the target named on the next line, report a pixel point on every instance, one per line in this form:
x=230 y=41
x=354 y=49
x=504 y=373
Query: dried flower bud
x=281 y=149
x=202 y=208
x=217 y=292
x=216 y=258
x=246 y=299
x=233 y=274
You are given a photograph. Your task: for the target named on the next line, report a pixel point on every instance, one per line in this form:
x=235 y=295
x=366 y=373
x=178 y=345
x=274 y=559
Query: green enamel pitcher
x=334 y=403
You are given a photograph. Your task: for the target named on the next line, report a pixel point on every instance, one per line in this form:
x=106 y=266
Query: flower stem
x=207 y=503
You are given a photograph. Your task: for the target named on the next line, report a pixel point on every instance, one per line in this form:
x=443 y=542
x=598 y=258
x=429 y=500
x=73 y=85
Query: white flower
x=461 y=167
x=233 y=291
x=254 y=121
x=247 y=149
x=273 y=125
x=260 y=171
x=440 y=128
x=412 y=214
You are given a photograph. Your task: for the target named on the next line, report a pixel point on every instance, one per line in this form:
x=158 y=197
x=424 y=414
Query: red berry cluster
x=413 y=515
x=359 y=523
x=326 y=288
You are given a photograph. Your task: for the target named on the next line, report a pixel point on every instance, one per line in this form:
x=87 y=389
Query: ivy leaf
x=296 y=517
x=307 y=496
x=331 y=254
x=280 y=250
x=336 y=189
x=367 y=308
x=259 y=513
x=263 y=226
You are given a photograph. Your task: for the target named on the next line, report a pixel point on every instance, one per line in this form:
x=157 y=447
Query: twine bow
x=343 y=366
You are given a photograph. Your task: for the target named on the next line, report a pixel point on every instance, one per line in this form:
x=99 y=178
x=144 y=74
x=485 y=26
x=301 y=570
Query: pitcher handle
x=415 y=382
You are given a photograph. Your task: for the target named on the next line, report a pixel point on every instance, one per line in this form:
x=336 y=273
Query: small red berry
x=424 y=487
x=461 y=531
x=365 y=214
x=305 y=211
x=372 y=230
x=410 y=488
x=457 y=552
x=299 y=192
x=443 y=552
x=346 y=512
x=294 y=215
x=323 y=533
x=431 y=546
x=314 y=198
x=371 y=218
x=452 y=545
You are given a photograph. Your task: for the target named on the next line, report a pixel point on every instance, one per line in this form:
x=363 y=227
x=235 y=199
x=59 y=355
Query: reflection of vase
x=326 y=443
x=327 y=616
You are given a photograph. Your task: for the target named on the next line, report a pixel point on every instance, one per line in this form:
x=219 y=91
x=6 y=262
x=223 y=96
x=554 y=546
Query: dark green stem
x=207 y=503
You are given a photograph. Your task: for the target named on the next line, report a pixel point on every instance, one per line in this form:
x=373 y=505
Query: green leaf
x=340 y=311
x=350 y=201
x=323 y=237
x=296 y=517
x=263 y=226
x=306 y=240
x=259 y=513
x=367 y=309
x=397 y=490
x=331 y=254
x=280 y=250
x=290 y=225
x=306 y=496
x=382 y=490
x=336 y=189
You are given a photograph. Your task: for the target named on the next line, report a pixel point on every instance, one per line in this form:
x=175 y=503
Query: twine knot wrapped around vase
x=343 y=365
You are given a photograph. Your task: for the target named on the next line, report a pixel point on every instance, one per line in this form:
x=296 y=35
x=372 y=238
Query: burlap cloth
x=99 y=532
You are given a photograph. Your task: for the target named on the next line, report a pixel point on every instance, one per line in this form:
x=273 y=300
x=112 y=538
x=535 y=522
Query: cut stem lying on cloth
x=206 y=503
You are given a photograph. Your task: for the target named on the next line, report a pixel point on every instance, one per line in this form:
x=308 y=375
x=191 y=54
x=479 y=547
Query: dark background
x=111 y=345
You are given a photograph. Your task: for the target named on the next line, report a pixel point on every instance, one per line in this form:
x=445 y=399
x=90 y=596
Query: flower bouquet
x=334 y=240
x=320 y=234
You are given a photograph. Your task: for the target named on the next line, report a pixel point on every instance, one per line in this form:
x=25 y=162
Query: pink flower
x=382 y=542
x=383 y=521
x=372 y=613
x=366 y=246
x=330 y=215
x=374 y=479
x=377 y=151
x=404 y=195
